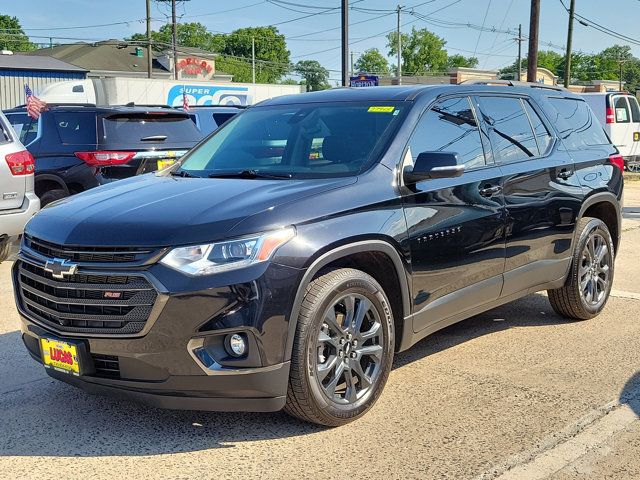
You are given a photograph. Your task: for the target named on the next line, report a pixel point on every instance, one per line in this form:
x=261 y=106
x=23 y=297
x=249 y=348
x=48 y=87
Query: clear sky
x=45 y=18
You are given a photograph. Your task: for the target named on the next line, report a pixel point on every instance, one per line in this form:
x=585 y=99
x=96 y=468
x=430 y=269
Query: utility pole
x=620 y=77
x=567 y=61
x=149 y=59
x=345 y=43
x=174 y=39
x=253 y=59
x=519 y=40
x=352 y=63
x=399 y=47
x=534 y=25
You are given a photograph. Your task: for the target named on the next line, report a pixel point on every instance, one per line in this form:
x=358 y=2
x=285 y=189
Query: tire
x=587 y=288
x=5 y=245
x=354 y=361
x=51 y=196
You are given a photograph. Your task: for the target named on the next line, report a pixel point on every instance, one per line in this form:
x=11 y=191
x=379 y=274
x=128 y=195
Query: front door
x=456 y=225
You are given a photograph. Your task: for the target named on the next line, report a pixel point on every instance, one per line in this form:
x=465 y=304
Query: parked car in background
x=619 y=114
x=209 y=118
x=18 y=202
x=78 y=147
x=287 y=275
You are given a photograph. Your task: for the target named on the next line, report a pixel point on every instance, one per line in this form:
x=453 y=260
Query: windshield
x=298 y=141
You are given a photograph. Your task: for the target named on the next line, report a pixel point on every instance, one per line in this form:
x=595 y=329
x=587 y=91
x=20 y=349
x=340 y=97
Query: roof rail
x=513 y=83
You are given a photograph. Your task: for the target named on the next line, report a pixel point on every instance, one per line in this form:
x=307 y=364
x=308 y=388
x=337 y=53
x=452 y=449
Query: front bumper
x=158 y=367
x=13 y=221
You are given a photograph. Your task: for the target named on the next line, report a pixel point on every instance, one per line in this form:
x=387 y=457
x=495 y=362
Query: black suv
x=286 y=258
x=78 y=147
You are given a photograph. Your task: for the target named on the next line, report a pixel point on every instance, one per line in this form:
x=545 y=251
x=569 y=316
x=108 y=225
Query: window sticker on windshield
x=378 y=109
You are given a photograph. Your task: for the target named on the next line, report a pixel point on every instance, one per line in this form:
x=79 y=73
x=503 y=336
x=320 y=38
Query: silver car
x=18 y=201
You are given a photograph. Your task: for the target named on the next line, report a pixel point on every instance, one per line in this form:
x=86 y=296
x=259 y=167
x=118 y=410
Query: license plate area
x=62 y=355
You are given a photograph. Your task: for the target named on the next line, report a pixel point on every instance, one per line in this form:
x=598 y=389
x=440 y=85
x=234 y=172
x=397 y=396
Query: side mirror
x=430 y=165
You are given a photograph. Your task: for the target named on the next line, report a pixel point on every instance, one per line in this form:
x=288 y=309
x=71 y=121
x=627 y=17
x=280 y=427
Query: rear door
x=12 y=187
x=456 y=225
x=156 y=140
x=625 y=131
x=541 y=192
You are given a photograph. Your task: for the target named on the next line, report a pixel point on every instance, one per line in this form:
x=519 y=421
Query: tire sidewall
x=374 y=293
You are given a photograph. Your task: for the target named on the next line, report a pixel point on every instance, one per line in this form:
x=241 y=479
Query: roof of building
x=31 y=62
x=105 y=56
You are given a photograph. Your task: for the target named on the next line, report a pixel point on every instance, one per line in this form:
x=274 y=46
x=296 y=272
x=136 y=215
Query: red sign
x=195 y=66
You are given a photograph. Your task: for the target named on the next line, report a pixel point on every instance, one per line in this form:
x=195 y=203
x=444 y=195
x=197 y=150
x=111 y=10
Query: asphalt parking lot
x=516 y=392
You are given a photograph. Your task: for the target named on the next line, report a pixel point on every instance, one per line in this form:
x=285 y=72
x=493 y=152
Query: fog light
x=236 y=344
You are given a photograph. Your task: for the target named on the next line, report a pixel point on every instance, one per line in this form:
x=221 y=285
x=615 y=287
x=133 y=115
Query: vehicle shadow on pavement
x=630 y=394
x=40 y=416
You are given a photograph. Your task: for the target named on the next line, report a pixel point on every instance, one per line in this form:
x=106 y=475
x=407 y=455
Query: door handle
x=565 y=174
x=490 y=191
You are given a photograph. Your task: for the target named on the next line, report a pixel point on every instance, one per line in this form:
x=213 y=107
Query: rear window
x=578 y=127
x=621 y=110
x=76 y=128
x=133 y=128
x=25 y=127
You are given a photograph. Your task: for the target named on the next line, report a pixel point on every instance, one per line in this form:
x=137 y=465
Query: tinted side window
x=4 y=132
x=449 y=126
x=510 y=129
x=25 y=127
x=621 y=110
x=578 y=127
x=635 y=110
x=76 y=128
x=543 y=136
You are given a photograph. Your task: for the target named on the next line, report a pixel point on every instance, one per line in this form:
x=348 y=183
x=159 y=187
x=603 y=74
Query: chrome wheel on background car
x=349 y=349
x=588 y=284
x=343 y=348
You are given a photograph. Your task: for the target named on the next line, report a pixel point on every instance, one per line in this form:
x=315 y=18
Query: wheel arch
x=349 y=255
x=606 y=207
x=49 y=179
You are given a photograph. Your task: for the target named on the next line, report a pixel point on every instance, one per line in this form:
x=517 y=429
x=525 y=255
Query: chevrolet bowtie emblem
x=60 y=268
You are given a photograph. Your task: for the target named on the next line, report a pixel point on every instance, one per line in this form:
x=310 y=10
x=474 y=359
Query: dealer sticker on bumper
x=60 y=356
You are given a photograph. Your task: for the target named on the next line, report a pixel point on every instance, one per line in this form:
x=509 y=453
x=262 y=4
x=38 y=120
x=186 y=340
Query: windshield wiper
x=250 y=174
x=183 y=173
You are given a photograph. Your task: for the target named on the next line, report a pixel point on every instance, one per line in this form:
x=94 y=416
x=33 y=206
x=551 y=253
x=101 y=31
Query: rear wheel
x=51 y=196
x=588 y=286
x=343 y=348
x=5 y=245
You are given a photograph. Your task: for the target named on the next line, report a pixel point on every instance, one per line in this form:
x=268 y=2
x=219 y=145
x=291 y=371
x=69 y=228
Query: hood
x=158 y=211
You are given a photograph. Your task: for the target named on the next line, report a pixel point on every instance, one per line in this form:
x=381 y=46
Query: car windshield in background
x=297 y=141
x=146 y=128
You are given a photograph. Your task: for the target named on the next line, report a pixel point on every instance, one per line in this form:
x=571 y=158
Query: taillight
x=105 y=158
x=610 y=116
x=21 y=163
x=617 y=160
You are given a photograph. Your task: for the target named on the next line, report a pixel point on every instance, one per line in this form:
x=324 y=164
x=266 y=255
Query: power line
x=484 y=20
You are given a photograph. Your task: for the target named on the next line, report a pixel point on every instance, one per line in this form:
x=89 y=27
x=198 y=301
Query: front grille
x=86 y=254
x=86 y=302
x=106 y=366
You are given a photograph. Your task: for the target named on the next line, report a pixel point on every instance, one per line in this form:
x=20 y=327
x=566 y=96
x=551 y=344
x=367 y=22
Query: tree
x=234 y=49
x=12 y=37
x=548 y=59
x=315 y=76
x=422 y=53
x=460 y=61
x=372 y=61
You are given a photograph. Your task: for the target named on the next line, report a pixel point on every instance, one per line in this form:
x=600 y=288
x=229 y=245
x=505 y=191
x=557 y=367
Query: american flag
x=35 y=106
x=185 y=101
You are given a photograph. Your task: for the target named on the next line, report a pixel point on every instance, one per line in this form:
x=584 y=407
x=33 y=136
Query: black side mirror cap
x=431 y=165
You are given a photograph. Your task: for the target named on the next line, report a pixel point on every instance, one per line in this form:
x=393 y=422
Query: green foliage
x=12 y=37
x=423 y=52
x=314 y=75
x=460 y=61
x=372 y=61
x=272 y=56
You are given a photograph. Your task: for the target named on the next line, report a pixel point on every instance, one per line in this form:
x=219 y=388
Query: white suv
x=18 y=201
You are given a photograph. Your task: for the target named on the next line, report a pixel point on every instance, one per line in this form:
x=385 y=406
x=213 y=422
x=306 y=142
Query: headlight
x=212 y=258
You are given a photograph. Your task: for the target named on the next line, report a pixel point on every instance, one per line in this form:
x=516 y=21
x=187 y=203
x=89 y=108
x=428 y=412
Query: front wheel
x=588 y=286
x=343 y=348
